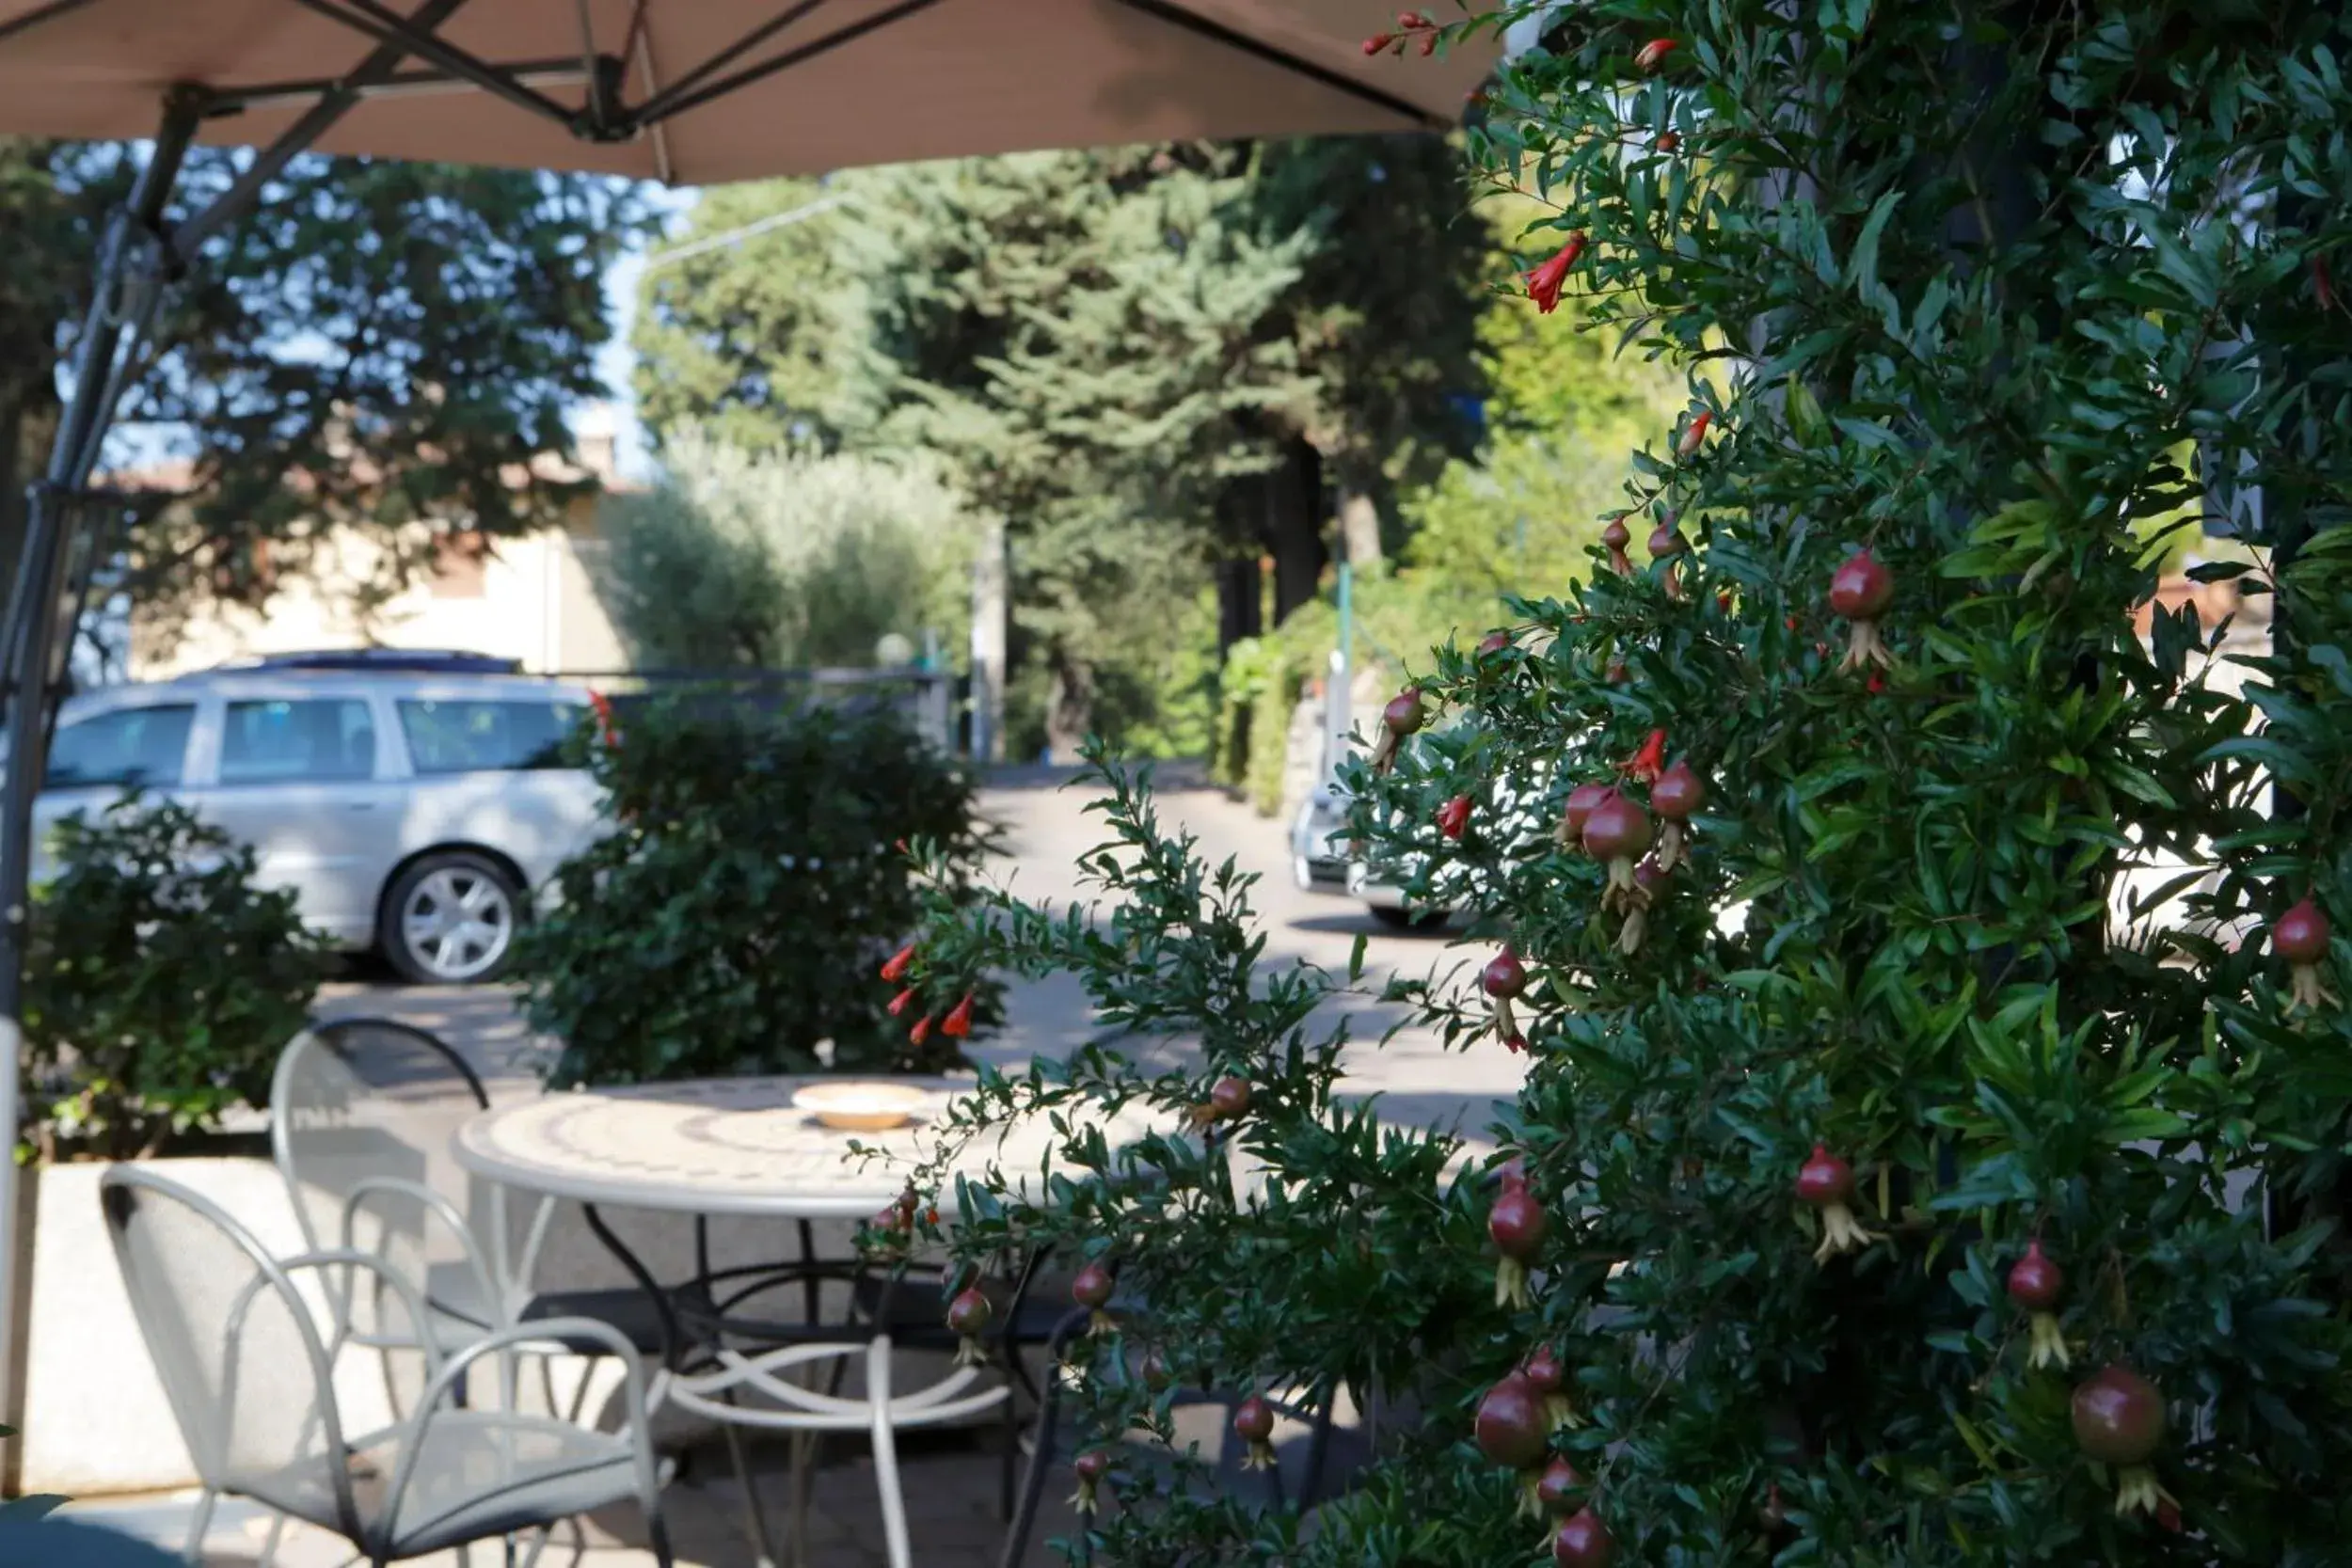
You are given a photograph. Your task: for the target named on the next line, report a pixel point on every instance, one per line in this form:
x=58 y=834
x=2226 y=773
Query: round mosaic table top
x=728 y=1145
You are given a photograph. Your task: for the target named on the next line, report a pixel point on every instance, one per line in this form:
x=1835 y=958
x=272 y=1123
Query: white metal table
x=737 y=1146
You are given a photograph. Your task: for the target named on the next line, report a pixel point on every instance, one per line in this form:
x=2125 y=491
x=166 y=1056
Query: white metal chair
x=247 y=1360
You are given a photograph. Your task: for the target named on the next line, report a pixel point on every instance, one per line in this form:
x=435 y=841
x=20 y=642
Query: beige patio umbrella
x=697 y=91
x=691 y=91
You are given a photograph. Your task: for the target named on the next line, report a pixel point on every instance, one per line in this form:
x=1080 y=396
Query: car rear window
x=485 y=734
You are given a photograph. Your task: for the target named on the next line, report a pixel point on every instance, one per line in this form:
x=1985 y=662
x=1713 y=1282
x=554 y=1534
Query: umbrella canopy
x=699 y=92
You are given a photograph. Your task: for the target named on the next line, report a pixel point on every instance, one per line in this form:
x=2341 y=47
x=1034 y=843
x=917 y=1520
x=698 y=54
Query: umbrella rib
x=1234 y=39
x=669 y=105
x=188 y=237
x=38 y=15
x=563 y=74
x=390 y=27
x=658 y=106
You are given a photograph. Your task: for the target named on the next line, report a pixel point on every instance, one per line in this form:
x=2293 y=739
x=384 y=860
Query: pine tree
x=1933 y=1139
x=1136 y=356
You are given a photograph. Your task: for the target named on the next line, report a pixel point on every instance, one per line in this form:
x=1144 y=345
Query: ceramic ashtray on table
x=861 y=1107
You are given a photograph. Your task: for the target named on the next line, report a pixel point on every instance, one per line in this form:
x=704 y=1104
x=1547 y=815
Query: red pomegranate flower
x=894 y=968
x=1694 y=433
x=1644 y=766
x=1543 y=282
x=958 y=1023
x=1454 y=817
x=1652 y=54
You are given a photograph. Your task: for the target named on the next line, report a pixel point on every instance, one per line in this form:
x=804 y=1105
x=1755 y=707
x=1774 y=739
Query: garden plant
x=161 y=984
x=731 y=921
x=1932 y=1147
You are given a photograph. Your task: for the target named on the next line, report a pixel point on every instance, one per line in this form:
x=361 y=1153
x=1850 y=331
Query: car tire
x=449 y=919
x=1404 y=919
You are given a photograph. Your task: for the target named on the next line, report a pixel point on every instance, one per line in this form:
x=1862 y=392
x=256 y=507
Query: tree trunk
x=1360 y=521
x=1069 y=706
x=1240 y=600
x=1293 y=523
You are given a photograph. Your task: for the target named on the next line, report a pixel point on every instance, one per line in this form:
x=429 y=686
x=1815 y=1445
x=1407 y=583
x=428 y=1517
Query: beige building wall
x=531 y=599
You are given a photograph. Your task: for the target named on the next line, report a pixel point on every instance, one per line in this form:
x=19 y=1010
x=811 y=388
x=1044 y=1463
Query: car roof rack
x=447 y=661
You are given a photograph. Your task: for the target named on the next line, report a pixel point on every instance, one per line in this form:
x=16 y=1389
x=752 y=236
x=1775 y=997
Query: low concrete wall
x=96 y=1420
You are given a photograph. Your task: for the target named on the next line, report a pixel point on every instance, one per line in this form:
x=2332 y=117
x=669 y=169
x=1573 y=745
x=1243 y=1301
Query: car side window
x=142 y=745
x=310 y=740
x=485 y=734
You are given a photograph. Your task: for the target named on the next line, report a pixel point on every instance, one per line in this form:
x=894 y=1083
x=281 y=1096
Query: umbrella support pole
x=67 y=529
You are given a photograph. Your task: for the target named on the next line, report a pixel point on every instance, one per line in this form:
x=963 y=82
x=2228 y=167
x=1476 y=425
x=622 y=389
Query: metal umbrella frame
x=142 y=255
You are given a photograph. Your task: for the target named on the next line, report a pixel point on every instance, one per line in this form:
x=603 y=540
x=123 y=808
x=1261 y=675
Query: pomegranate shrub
x=1928 y=1213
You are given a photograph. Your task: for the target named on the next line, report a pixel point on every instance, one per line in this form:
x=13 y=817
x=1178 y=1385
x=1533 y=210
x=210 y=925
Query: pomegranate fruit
x=1453 y=817
x=1557 y=1489
x=1582 y=800
x=1617 y=536
x=1404 y=716
x=2035 y=1284
x=2301 y=936
x=1511 y=1428
x=1549 y=1380
x=1157 y=1373
x=1253 y=1423
x=1825 y=1182
x=2119 y=1420
x=1495 y=643
x=1666 y=544
x=1668 y=141
x=1673 y=797
x=1583 y=1541
x=1649 y=884
x=1503 y=980
x=1092 y=1287
x=1091 y=1468
x=1616 y=832
x=1861 y=590
x=968 y=1317
x=1517 y=1224
x=1229 y=1099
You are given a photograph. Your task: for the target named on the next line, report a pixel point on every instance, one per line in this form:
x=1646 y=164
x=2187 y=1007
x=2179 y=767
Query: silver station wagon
x=412 y=804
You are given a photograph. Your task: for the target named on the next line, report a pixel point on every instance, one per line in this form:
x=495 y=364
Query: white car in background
x=413 y=803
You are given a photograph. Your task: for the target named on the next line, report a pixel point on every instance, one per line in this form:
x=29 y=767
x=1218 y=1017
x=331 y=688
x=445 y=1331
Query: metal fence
x=929 y=700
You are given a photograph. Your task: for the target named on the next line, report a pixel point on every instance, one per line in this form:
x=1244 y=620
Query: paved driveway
x=1046 y=832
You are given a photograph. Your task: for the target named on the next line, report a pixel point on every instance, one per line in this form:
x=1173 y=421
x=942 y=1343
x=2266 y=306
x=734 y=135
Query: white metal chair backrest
x=238 y=1348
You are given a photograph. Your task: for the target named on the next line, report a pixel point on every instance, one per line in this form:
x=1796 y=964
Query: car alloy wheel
x=458 y=922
